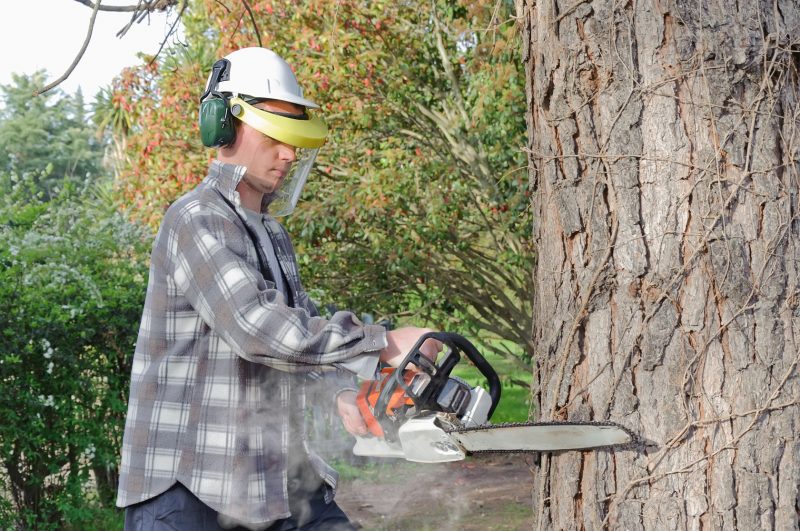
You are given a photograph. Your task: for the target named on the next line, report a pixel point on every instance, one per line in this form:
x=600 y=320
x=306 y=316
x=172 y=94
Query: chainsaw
x=419 y=412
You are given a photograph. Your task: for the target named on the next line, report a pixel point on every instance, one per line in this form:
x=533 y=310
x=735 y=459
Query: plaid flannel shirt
x=217 y=357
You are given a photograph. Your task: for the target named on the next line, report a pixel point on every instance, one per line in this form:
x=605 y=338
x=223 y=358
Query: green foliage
x=46 y=135
x=72 y=284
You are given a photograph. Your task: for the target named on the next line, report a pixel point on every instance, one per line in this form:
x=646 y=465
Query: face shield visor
x=284 y=199
x=306 y=134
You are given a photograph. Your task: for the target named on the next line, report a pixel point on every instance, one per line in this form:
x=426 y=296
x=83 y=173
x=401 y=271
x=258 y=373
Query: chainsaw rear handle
x=438 y=373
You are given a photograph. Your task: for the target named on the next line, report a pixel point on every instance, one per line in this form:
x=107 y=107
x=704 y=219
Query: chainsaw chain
x=450 y=427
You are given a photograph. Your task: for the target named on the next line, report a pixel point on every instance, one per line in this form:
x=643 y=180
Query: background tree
x=46 y=136
x=418 y=206
x=664 y=142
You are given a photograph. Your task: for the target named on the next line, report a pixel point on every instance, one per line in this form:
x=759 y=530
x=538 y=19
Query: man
x=214 y=435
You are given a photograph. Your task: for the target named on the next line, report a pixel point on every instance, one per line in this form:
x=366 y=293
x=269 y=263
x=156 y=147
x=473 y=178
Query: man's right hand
x=401 y=341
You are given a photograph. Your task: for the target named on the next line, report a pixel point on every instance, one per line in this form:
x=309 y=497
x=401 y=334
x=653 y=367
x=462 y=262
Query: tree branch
x=136 y=17
x=184 y=5
x=77 y=59
x=154 y=5
x=140 y=10
x=253 y=21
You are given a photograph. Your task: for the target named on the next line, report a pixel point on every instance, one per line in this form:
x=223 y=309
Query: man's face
x=268 y=161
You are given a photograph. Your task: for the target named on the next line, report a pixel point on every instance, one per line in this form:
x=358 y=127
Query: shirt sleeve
x=209 y=266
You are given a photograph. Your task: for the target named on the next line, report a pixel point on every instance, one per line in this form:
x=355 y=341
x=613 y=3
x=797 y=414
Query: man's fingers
x=431 y=348
x=351 y=416
x=355 y=426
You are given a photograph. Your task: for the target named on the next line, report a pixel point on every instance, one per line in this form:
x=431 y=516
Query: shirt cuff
x=374 y=338
x=364 y=366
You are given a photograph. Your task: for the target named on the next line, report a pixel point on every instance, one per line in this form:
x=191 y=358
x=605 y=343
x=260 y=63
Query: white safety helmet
x=261 y=73
x=250 y=75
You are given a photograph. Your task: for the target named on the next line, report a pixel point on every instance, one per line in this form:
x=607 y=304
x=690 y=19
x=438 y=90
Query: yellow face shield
x=296 y=132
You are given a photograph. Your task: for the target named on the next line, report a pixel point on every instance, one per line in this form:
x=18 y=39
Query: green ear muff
x=216 y=123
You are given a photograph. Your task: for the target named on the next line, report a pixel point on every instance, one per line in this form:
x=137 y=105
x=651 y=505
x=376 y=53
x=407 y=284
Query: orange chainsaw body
x=367 y=399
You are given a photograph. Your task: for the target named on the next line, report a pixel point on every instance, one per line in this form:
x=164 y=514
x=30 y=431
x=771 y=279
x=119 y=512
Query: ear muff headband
x=309 y=133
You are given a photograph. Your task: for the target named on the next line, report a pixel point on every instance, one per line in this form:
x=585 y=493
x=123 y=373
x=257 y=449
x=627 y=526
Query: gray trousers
x=178 y=509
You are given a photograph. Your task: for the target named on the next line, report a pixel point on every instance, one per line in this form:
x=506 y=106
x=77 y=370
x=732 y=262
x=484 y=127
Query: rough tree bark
x=664 y=148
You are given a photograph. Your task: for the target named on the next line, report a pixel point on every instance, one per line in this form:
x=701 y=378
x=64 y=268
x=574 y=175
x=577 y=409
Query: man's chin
x=259 y=184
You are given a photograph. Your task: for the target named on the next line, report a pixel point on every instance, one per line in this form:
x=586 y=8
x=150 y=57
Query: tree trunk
x=664 y=147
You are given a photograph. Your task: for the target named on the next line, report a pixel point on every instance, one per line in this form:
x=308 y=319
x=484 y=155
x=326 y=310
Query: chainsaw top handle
x=438 y=372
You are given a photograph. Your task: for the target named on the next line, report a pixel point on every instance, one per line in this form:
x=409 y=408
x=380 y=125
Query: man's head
x=254 y=111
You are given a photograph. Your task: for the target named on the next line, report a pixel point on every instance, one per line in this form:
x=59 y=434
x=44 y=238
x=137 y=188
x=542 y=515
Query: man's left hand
x=351 y=416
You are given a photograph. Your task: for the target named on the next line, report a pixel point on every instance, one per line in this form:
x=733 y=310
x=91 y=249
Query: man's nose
x=288 y=153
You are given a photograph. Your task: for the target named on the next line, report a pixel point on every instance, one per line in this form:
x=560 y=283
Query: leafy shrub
x=72 y=285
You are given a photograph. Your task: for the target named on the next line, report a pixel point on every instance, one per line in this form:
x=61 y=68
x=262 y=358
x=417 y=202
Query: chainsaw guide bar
x=536 y=437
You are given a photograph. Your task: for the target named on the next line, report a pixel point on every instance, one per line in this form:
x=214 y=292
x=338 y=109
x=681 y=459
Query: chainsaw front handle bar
x=438 y=373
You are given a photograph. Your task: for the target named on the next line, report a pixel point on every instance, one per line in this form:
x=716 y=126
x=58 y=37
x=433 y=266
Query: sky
x=48 y=34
